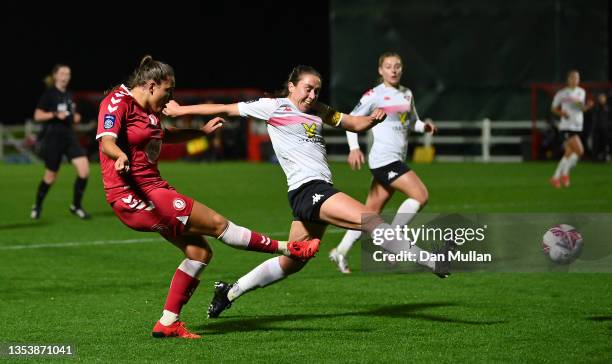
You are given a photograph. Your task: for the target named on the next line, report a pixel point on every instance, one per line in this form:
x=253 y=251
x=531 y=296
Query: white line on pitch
x=108 y=242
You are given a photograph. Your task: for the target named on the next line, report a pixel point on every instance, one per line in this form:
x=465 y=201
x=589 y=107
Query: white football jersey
x=572 y=102
x=296 y=138
x=390 y=136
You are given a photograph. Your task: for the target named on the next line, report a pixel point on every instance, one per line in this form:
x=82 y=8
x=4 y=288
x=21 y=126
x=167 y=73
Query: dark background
x=210 y=45
x=464 y=60
x=469 y=59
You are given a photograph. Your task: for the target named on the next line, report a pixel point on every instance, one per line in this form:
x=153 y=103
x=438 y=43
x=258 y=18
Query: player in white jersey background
x=295 y=125
x=569 y=104
x=387 y=156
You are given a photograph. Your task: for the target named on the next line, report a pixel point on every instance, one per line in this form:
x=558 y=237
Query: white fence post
x=427 y=140
x=486 y=140
x=1 y=141
x=28 y=129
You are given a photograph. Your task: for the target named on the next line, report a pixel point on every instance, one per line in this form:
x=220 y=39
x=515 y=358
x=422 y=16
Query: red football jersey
x=139 y=134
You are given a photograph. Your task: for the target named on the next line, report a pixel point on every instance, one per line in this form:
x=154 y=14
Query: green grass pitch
x=101 y=287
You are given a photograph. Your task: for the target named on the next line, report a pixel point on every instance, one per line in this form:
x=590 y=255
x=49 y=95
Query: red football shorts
x=165 y=212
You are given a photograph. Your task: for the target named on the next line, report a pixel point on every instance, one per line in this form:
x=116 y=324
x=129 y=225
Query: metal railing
x=449 y=133
x=452 y=133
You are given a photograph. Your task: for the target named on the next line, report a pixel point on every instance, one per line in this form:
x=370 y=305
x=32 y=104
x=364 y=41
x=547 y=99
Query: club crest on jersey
x=109 y=121
x=179 y=204
x=310 y=129
x=153 y=120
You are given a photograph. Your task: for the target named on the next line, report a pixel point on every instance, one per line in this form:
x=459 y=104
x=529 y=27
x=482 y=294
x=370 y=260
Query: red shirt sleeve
x=112 y=115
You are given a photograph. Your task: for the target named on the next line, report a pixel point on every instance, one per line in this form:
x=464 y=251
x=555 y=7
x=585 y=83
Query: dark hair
x=382 y=58
x=295 y=76
x=150 y=69
x=49 y=80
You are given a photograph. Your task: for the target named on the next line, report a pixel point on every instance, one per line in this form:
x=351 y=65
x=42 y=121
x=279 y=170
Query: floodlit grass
x=101 y=286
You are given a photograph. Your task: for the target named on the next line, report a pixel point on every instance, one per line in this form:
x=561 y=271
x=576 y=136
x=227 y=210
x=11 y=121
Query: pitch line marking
x=109 y=242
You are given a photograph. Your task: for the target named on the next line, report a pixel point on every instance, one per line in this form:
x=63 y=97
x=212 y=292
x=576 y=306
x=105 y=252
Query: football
x=562 y=244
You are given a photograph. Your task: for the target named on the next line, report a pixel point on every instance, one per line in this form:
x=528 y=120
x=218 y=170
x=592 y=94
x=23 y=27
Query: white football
x=562 y=243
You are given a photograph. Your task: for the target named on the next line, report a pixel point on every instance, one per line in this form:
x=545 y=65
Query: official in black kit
x=57 y=113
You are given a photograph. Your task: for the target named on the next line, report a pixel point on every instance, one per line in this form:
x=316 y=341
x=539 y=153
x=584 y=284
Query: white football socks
x=403 y=216
x=264 y=274
x=560 y=168
x=192 y=267
x=240 y=237
x=349 y=238
x=406 y=212
x=573 y=161
x=168 y=318
x=235 y=236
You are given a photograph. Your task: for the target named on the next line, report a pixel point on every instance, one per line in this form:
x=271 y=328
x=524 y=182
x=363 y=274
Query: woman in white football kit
x=295 y=125
x=388 y=153
x=569 y=105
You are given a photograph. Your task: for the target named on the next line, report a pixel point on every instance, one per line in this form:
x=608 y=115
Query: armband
x=337 y=118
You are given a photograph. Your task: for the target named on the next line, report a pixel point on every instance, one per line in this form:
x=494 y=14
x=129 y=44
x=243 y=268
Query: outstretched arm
x=362 y=123
x=173 y=109
x=176 y=135
x=347 y=121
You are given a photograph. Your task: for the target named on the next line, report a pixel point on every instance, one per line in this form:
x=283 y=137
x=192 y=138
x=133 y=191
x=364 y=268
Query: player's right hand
x=122 y=164
x=378 y=115
x=356 y=159
x=172 y=109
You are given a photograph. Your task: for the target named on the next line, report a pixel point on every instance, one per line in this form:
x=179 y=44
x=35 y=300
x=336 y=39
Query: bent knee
x=218 y=224
x=50 y=177
x=422 y=196
x=83 y=173
x=198 y=253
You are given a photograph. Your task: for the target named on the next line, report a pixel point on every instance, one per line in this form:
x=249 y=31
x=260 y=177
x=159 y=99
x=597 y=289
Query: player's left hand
x=212 y=125
x=430 y=127
x=172 y=109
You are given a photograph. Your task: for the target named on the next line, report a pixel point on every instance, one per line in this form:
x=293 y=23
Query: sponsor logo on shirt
x=310 y=129
x=109 y=121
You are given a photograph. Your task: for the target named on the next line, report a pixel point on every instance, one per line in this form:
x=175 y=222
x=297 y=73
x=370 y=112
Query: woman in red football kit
x=130 y=137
